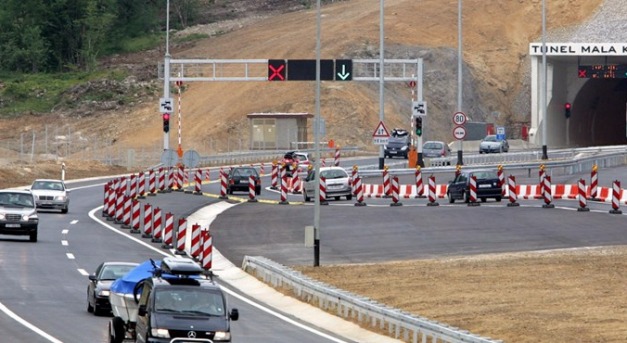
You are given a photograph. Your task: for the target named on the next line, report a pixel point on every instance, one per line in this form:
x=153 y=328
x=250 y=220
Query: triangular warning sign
x=381 y=131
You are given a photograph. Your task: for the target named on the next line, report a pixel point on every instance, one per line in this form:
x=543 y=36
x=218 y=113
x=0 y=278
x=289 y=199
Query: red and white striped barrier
x=180 y=175
x=252 y=189
x=473 y=192
x=354 y=175
x=583 y=202
x=594 y=180
x=207 y=250
x=168 y=230
x=207 y=173
x=501 y=177
x=336 y=158
x=512 y=191
x=171 y=178
x=274 y=177
x=283 y=190
x=119 y=207
x=111 y=200
x=432 y=193
x=198 y=182
x=616 y=195
x=152 y=183
x=123 y=185
x=296 y=184
x=541 y=177
x=105 y=202
x=359 y=192
x=156 y=225
x=161 y=180
x=133 y=186
x=136 y=216
x=141 y=188
x=181 y=233
x=223 y=181
x=547 y=192
x=195 y=248
x=395 y=190
x=419 y=186
x=126 y=217
x=386 y=182
x=323 y=191
x=147 y=232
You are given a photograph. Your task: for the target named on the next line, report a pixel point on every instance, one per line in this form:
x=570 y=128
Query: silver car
x=51 y=194
x=491 y=144
x=18 y=215
x=435 y=149
x=337 y=183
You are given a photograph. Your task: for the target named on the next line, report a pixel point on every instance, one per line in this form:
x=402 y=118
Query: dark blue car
x=488 y=186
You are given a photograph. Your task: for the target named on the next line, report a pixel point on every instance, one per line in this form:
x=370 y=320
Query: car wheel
x=480 y=152
x=64 y=210
x=97 y=309
x=501 y=149
x=307 y=198
x=467 y=197
x=498 y=199
x=90 y=308
x=450 y=197
x=33 y=237
x=258 y=191
x=118 y=330
x=484 y=199
x=337 y=198
x=349 y=197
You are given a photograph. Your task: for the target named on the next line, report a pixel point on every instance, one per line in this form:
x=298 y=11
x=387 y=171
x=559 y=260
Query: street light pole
x=317 y=145
x=166 y=71
x=545 y=155
x=460 y=150
x=381 y=82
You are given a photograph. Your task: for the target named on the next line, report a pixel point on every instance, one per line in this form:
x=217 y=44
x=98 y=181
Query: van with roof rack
x=180 y=302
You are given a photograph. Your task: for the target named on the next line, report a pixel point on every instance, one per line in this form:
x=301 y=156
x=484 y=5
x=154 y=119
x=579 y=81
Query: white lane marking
x=28 y=325
x=64 y=242
x=233 y=294
x=83 y=272
x=74 y=221
x=65 y=231
x=70 y=256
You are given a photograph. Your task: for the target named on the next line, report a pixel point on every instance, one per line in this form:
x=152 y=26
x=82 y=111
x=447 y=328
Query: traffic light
x=567 y=107
x=166 y=122
x=418 y=125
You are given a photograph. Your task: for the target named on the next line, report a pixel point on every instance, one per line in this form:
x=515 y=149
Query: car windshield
x=486 y=174
x=432 y=145
x=334 y=174
x=112 y=272
x=490 y=138
x=48 y=185
x=300 y=158
x=244 y=172
x=16 y=200
x=193 y=301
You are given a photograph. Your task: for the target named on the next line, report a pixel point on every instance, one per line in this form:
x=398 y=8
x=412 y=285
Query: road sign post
x=459 y=132
x=381 y=135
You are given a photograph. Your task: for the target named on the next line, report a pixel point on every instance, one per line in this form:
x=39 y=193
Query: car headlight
x=163 y=333
x=222 y=336
x=404 y=148
x=1 y=216
x=103 y=293
x=60 y=198
x=25 y=217
x=385 y=147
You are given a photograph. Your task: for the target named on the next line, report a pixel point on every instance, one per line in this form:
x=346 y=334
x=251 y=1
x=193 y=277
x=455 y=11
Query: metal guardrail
x=366 y=312
x=259 y=156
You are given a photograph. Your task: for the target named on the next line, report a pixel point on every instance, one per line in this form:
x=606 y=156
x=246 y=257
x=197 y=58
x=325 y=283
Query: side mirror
x=234 y=314
x=450 y=181
x=141 y=311
x=92 y=277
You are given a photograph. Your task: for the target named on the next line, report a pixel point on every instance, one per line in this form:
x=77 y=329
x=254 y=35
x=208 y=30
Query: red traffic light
x=166 y=116
x=567 y=106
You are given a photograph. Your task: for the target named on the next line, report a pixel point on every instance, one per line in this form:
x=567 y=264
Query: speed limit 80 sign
x=459 y=118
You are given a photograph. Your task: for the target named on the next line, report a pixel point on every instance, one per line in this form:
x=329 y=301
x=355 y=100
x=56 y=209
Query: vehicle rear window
x=485 y=175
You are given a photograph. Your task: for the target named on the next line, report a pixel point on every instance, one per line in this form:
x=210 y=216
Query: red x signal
x=583 y=73
x=276 y=70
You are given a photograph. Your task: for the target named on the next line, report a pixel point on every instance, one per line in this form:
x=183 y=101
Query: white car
x=491 y=144
x=51 y=194
x=337 y=183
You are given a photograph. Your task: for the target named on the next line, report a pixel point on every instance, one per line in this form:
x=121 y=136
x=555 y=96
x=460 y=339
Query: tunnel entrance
x=599 y=114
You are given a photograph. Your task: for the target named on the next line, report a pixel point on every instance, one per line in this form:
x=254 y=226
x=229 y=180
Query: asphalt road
x=45 y=283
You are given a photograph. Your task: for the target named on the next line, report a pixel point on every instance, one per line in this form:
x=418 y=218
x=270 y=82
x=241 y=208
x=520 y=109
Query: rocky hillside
x=496 y=38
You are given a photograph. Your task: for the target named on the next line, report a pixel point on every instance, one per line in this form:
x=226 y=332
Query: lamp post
x=381 y=80
x=317 y=145
x=460 y=150
x=545 y=155
x=166 y=71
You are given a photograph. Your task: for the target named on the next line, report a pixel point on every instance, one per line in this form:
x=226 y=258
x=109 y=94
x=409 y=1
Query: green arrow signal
x=343 y=75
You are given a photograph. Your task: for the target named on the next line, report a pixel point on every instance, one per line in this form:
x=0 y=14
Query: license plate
x=484 y=186
x=12 y=225
x=392 y=152
x=335 y=186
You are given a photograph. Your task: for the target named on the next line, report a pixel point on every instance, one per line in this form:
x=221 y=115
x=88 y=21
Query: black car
x=238 y=177
x=100 y=283
x=398 y=144
x=179 y=304
x=488 y=185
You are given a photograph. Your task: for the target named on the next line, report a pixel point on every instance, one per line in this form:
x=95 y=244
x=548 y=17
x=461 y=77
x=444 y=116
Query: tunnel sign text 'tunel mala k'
x=579 y=49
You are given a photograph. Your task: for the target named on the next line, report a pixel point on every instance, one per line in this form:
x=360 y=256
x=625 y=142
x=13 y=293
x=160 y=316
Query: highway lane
x=46 y=287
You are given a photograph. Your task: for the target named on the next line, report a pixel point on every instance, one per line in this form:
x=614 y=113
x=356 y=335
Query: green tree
x=100 y=16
